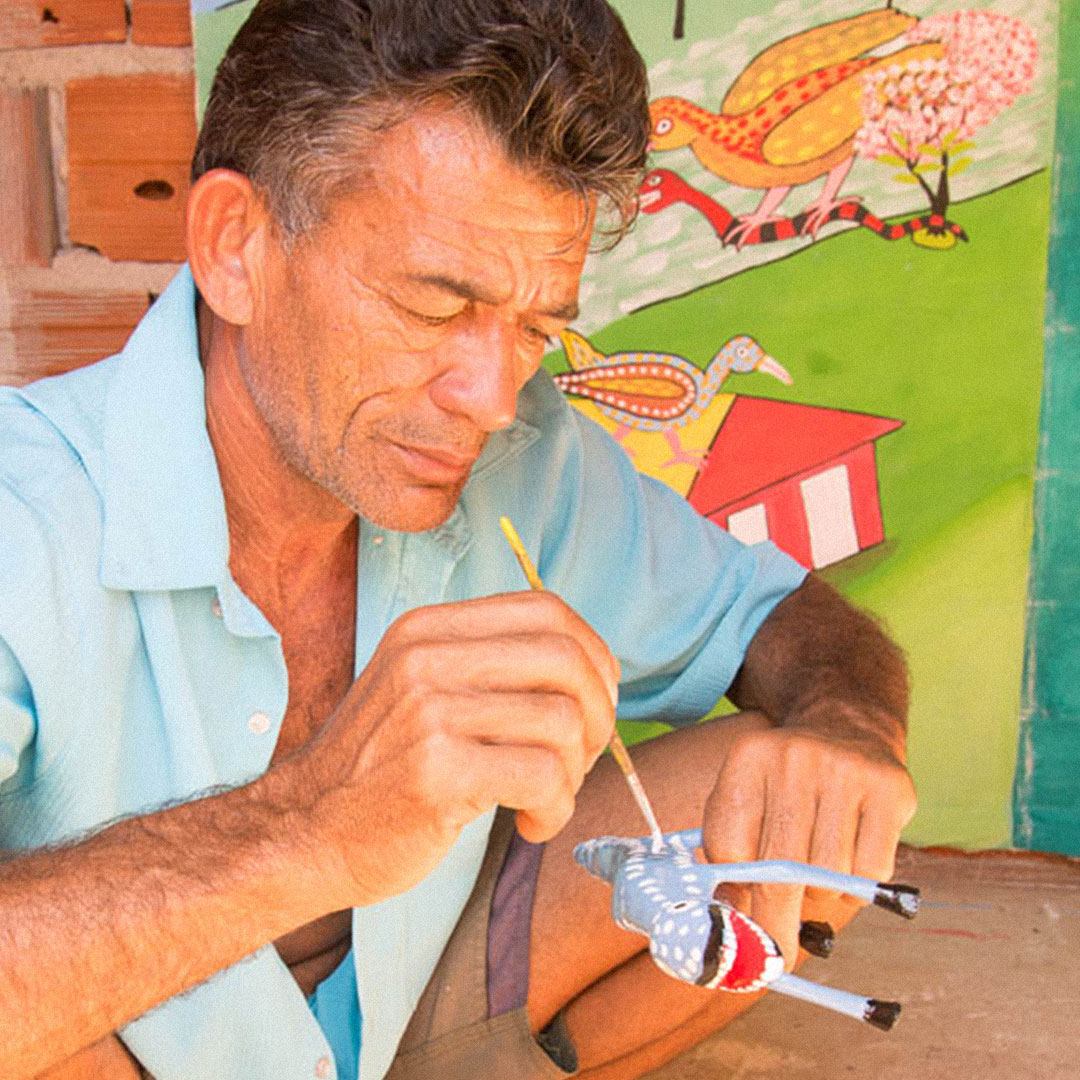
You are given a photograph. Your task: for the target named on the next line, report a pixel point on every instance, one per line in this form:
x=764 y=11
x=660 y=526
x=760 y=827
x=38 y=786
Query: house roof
x=763 y=441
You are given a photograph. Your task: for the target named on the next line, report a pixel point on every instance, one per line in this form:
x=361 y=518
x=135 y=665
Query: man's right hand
x=505 y=700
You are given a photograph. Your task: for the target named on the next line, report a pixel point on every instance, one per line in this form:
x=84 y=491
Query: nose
x=482 y=377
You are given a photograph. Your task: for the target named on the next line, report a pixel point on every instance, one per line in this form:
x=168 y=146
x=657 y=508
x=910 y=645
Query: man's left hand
x=825 y=788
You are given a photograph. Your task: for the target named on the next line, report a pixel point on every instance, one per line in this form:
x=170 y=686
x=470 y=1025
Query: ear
x=228 y=230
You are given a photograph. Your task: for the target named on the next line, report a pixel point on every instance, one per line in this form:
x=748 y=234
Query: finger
x=786 y=832
x=550 y=721
x=731 y=831
x=528 y=779
x=832 y=844
x=543 y=662
x=507 y=614
x=875 y=846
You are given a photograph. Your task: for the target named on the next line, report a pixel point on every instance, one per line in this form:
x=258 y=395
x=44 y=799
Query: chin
x=412 y=511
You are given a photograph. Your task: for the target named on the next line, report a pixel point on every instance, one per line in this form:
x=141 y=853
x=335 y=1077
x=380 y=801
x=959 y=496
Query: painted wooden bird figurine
x=791 y=116
x=694 y=936
x=650 y=391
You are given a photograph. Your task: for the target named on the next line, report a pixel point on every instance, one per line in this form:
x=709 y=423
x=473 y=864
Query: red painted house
x=802 y=476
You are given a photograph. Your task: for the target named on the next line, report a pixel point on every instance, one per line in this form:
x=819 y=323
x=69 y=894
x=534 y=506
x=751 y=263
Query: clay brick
x=28 y=230
x=58 y=331
x=161 y=22
x=130 y=140
x=27 y=23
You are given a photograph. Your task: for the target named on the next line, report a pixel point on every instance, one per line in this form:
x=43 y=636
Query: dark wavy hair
x=307 y=84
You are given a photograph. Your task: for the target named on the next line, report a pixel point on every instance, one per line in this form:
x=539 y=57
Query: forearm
x=97 y=933
x=817 y=661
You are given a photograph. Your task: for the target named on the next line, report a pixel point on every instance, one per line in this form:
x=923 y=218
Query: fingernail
x=613 y=690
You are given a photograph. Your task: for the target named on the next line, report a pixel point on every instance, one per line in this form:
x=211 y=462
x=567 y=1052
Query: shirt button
x=376 y=540
x=259 y=723
x=322 y=1068
x=215 y=607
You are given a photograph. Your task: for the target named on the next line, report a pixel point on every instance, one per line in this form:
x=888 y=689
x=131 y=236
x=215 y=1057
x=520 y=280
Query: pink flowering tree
x=920 y=117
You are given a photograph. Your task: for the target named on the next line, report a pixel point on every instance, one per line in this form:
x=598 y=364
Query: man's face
x=393 y=339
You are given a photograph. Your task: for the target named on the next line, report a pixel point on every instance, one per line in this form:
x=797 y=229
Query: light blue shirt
x=134 y=672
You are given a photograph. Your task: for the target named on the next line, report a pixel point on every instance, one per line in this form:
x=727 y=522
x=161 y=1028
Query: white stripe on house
x=749 y=525
x=830 y=516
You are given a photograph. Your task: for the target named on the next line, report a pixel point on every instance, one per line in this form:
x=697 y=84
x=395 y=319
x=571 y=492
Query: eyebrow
x=468 y=290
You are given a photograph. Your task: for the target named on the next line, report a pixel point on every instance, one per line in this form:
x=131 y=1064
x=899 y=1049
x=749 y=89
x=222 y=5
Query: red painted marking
x=803 y=81
x=942 y=931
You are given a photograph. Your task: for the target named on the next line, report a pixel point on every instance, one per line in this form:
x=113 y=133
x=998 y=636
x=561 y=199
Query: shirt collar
x=165 y=525
x=164 y=510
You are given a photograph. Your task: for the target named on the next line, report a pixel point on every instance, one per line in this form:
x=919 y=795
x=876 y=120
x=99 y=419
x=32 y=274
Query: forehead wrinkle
x=493 y=274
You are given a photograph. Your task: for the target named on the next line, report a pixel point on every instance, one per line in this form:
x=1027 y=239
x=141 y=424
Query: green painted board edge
x=1046 y=794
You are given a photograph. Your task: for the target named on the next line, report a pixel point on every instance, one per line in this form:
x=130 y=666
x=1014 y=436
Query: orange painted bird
x=791 y=116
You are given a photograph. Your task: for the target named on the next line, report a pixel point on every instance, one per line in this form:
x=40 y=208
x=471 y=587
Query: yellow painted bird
x=792 y=115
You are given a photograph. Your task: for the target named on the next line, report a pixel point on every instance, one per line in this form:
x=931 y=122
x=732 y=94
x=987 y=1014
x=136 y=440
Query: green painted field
x=951 y=343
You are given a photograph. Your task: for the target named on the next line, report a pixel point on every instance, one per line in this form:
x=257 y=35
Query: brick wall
x=96 y=129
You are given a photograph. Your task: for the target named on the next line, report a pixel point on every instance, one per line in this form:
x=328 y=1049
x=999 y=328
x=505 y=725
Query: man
x=257 y=613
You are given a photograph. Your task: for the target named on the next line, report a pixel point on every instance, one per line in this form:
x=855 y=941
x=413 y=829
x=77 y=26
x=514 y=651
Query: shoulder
x=50 y=499
x=53 y=427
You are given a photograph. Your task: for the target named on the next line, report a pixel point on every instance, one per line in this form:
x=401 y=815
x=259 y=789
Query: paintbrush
x=618 y=747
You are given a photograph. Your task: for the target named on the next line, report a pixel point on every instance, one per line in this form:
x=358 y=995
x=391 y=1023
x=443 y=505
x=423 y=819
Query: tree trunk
x=939 y=204
x=680 y=19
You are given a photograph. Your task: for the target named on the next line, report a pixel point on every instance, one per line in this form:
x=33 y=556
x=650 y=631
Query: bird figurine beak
x=771 y=366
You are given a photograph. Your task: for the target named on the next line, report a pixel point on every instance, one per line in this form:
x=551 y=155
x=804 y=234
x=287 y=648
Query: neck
x=696 y=116
x=719 y=216
x=284 y=530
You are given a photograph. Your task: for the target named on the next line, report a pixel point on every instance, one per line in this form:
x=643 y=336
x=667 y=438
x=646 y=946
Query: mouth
x=433 y=464
x=647 y=198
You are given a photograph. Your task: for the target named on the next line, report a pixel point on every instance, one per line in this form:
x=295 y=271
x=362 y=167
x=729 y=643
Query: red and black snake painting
x=663 y=188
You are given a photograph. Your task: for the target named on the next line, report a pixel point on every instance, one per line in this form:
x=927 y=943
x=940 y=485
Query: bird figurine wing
x=806 y=52
x=832 y=117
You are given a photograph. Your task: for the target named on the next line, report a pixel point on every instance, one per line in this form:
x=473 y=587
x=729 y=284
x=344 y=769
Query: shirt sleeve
x=677 y=598
x=17 y=724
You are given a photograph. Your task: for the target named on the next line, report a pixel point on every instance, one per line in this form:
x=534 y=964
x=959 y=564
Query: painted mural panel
x=826 y=327
x=855 y=201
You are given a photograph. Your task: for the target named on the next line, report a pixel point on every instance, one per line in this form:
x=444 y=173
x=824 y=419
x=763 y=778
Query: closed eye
x=542 y=336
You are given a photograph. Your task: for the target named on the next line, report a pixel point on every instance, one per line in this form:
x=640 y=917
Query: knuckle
x=906 y=798
x=408 y=625
x=415 y=663
x=428 y=712
x=553 y=609
x=569 y=720
x=434 y=770
x=551 y=777
x=567 y=650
